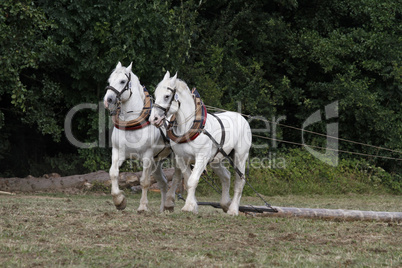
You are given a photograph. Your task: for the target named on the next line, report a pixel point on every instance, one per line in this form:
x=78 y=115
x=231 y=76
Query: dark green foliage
x=281 y=57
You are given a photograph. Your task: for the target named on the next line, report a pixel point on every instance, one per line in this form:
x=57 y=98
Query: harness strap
x=220 y=149
x=222 y=142
x=223 y=130
x=165 y=141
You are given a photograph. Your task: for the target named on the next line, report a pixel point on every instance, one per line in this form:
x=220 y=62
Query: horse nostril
x=109 y=99
x=156 y=118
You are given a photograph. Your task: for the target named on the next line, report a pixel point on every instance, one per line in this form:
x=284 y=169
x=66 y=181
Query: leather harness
x=198 y=123
x=141 y=121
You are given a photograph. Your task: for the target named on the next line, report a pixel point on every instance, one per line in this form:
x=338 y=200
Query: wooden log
x=6 y=193
x=336 y=214
x=57 y=183
x=318 y=213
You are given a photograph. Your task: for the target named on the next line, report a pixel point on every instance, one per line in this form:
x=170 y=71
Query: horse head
x=119 y=89
x=166 y=100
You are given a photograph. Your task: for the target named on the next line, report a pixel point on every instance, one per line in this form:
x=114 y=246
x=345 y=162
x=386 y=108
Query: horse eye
x=122 y=82
x=167 y=97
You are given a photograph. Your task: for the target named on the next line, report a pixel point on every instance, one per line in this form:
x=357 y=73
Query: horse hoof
x=225 y=205
x=168 y=209
x=190 y=208
x=120 y=205
x=142 y=211
x=169 y=204
x=233 y=212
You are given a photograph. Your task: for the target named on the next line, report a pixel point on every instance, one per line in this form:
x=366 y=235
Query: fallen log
x=56 y=183
x=6 y=193
x=318 y=213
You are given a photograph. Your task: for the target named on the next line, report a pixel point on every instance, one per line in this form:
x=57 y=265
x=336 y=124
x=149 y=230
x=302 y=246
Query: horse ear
x=167 y=75
x=173 y=81
x=129 y=67
x=118 y=65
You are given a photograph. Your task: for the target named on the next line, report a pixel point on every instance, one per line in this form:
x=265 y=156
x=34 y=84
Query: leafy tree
x=280 y=57
x=23 y=43
x=294 y=57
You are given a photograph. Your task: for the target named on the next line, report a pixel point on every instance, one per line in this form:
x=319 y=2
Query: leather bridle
x=167 y=108
x=126 y=87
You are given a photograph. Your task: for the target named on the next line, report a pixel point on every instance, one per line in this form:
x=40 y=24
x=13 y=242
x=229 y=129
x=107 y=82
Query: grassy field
x=87 y=231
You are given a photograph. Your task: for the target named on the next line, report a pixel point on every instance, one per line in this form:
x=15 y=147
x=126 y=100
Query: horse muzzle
x=113 y=108
x=157 y=121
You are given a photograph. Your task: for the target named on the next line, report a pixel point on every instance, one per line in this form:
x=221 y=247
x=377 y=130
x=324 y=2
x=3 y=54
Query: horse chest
x=190 y=151
x=135 y=141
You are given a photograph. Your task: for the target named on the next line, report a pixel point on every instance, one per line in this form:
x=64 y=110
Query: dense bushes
x=302 y=173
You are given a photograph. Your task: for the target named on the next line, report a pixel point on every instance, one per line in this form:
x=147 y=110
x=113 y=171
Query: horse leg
x=177 y=178
x=240 y=163
x=224 y=174
x=119 y=199
x=145 y=182
x=162 y=183
x=192 y=182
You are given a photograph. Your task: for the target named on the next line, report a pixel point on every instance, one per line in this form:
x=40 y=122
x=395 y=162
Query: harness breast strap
x=220 y=150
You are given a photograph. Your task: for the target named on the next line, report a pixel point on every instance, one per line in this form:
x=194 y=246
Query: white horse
x=133 y=137
x=173 y=97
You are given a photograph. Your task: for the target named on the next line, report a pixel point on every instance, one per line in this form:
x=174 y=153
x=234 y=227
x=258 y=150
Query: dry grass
x=86 y=230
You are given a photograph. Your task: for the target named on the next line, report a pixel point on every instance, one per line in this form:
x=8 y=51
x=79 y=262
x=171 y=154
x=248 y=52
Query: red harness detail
x=144 y=124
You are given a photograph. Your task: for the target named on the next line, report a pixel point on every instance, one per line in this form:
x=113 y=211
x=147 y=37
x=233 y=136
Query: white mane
x=181 y=86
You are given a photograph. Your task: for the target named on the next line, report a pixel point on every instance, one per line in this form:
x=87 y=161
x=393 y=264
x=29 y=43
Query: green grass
x=87 y=231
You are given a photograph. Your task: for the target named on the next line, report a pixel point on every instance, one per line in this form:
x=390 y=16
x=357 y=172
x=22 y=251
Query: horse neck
x=132 y=108
x=186 y=113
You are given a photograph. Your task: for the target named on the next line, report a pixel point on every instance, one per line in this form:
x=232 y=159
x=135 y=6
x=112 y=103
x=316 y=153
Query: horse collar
x=198 y=123
x=138 y=123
